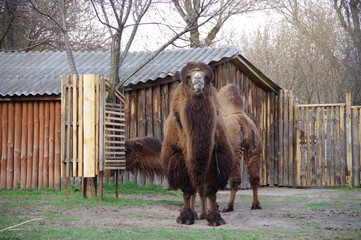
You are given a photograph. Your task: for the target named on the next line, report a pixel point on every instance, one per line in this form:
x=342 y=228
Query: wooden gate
x=326 y=147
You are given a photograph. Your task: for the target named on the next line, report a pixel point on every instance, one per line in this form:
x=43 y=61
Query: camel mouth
x=198 y=88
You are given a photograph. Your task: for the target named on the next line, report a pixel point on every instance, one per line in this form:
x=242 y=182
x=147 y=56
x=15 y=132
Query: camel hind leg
x=254 y=178
x=234 y=184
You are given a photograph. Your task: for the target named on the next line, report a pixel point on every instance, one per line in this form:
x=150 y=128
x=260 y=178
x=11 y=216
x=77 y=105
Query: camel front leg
x=187 y=215
x=213 y=217
x=203 y=197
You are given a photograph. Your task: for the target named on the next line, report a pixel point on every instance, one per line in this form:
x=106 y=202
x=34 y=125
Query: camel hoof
x=256 y=206
x=228 y=209
x=214 y=219
x=186 y=217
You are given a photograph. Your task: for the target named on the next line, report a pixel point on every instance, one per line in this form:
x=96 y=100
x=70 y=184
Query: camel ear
x=138 y=146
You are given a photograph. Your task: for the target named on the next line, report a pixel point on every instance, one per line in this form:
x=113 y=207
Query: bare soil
x=321 y=213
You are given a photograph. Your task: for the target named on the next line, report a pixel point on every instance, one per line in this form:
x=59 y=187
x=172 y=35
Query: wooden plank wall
x=30 y=144
x=149 y=107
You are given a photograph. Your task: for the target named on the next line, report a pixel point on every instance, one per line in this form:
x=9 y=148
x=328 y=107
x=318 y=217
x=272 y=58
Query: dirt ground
x=323 y=213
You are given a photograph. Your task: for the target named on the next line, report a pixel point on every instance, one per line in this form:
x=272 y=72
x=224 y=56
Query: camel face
x=198 y=80
x=197 y=77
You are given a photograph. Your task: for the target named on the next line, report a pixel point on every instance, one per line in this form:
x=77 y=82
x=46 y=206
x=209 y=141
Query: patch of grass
x=130 y=188
x=320 y=206
x=346 y=187
x=172 y=202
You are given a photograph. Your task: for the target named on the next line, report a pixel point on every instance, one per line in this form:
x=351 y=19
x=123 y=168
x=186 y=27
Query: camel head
x=197 y=77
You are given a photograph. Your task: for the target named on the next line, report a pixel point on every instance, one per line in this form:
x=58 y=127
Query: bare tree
x=349 y=15
x=116 y=15
x=30 y=26
x=189 y=11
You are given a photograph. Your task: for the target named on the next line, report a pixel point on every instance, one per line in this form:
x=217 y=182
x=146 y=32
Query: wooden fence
x=30 y=144
x=318 y=144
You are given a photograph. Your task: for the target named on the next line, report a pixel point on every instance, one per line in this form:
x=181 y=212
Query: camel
x=143 y=154
x=196 y=155
x=246 y=142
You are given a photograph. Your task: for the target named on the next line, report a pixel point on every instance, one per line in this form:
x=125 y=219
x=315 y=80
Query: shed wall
x=30 y=144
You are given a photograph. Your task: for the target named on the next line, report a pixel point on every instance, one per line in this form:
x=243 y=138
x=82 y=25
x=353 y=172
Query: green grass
x=127 y=233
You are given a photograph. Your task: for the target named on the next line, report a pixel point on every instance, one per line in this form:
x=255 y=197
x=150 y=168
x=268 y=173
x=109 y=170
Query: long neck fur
x=197 y=122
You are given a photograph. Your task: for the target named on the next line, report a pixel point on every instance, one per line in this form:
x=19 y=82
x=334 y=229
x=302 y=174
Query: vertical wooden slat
x=57 y=150
x=141 y=113
x=101 y=126
x=149 y=112
x=46 y=144
x=51 y=143
x=319 y=144
x=164 y=91
x=10 y=146
x=348 y=139
x=89 y=125
x=96 y=105
x=332 y=149
x=356 y=145
x=280 y=138
x=303 y=172
x=338 y=157
x=41 y=143
x=30 y=143
x=343 y=146
x=75 y=125
x=157 y=112
x=24 y=138
x=308 y=157
x=35 y=174
x=80 y=127
x=272 y=141
x=17 y=145
x=63 y=128
x=4 y=141
x=269 y=158
x=286 y=141
x=313 y=145
x=291 y=138
x=133 y=115
x=296 y=151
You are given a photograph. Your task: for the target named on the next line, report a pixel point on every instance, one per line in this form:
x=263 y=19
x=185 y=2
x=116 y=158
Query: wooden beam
x=89 y=125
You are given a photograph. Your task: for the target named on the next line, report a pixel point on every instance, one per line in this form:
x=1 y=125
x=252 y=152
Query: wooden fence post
x=348 y=139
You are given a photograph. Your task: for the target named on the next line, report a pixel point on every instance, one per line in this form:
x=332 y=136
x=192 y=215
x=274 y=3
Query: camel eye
x=206 y=78
x=188 y=78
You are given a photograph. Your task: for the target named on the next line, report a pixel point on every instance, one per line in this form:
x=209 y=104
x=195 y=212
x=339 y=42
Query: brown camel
x=143 y=154
x=196 y=154
x=245 y=139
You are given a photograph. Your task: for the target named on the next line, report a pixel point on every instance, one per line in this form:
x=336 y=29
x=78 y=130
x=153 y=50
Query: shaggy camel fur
x=143 y=154
x=245 y=139
x=196 y=154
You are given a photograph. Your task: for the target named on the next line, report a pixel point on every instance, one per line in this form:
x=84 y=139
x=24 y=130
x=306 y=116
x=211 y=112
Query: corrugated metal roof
x=38 y=73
